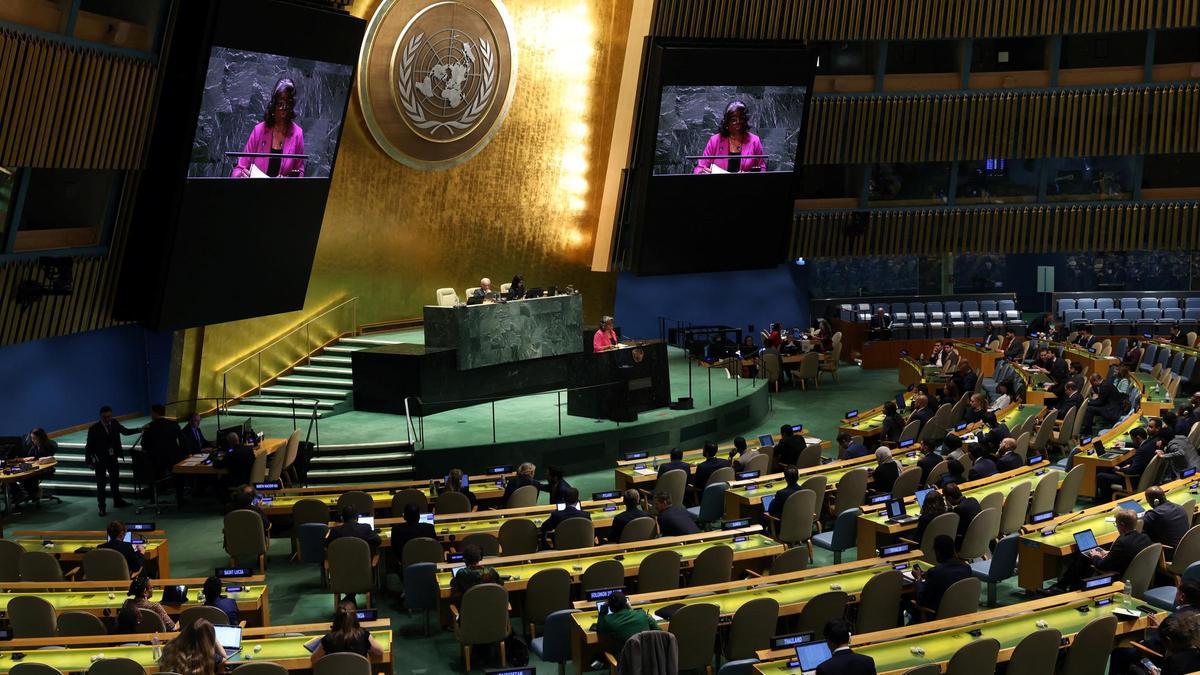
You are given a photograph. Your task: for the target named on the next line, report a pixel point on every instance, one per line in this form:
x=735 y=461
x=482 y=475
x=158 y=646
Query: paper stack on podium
x=256 y=172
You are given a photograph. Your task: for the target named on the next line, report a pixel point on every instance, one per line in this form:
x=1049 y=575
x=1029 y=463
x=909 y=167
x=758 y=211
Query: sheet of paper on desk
x=256 y=172
x=713 y=168
x=645 y=472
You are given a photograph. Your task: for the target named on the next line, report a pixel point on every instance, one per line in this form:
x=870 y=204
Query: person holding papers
x=278 y=134
x=605 y=338
x=733 y=137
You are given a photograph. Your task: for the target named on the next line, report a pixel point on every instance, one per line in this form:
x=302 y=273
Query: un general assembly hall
x=635 y=337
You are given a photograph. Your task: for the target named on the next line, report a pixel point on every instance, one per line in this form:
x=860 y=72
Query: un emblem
x=435 y=80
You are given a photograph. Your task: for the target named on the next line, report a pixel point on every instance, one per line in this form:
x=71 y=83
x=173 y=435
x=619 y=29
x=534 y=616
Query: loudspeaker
x=684 y=403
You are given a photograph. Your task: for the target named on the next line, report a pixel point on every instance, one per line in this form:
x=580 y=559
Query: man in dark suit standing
x=102 y=452
x=673 y=520
x=633 y=500
x=843 y=661
x=161 y=441
x=191 y=436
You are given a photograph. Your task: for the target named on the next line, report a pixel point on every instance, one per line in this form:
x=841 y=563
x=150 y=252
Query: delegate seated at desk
x=1117 y=559
x=484 y=290
x=605 y=338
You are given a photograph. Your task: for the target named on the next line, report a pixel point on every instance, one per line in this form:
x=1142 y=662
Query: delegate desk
x=642 y=472
x=104 y=598
x=453 y=526
x=1116 y=441
x=744 y=498
x=869 y=423
x=1155 y=398
x=981 y=358
x=898 y=650
x=65 y=545
x=754 y=553
x=1041 y=554
x=1092 y=362
x=792 y=591
x=874 y=528
x=38 y=469
x=257 y=645
x=1037 y=384
x=486 y=488
x=198 y=464
x=913 y=373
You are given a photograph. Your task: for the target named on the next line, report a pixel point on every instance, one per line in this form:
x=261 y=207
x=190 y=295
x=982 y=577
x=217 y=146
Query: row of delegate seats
x=989 y=308
x=1174 y=360
x=935 y=319
x=1117 y=316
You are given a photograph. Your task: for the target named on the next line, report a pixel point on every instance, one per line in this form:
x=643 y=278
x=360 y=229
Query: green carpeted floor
x=296 y=596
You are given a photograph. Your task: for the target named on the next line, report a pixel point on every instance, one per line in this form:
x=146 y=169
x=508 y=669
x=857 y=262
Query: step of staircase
x=301 y=404
x=358 y=475
x=322 y=394
x=343 y=350
x=243 y=410
x=323 y=371
x=330 y=360
x=319 y=382
x=364 y=342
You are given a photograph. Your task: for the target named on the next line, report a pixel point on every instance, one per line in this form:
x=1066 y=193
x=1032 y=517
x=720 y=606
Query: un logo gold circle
x=436 y=80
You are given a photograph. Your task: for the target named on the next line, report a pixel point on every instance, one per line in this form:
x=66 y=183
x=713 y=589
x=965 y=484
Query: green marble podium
x=497 y=333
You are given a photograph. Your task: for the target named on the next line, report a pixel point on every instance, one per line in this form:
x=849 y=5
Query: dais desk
x=194 y=465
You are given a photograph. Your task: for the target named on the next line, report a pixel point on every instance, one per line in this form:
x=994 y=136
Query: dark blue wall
x=732 y=298
x=60 y=382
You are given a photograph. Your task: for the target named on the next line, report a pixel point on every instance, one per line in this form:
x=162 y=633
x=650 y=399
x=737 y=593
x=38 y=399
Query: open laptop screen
x=812 y=654
x=1085 y=540
x=230 y=637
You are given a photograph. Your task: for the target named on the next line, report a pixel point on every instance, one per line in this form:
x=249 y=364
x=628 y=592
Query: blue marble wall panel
x=491 y=334
x=236 y=92
x=689 y=115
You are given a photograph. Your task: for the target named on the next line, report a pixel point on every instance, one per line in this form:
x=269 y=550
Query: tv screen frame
x=658 y=213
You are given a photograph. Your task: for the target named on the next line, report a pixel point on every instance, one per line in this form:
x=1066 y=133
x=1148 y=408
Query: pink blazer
x=603 y=340
x=719 y=145
x=260 y=141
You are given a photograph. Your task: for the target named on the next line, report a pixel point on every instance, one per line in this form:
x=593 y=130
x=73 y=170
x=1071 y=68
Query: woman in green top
x=618 y=622
x=474 y=573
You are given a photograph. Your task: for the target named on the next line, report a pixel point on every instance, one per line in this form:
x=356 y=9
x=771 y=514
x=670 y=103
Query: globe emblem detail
x=446 y=82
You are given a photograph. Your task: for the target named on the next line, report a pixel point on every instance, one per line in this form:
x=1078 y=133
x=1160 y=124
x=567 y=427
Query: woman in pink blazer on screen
x=278 y=133
x=733 y=138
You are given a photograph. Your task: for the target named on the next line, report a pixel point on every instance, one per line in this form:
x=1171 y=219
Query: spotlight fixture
x=56 y=279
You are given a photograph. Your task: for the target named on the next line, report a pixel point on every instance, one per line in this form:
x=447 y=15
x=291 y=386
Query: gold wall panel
x=527 y=203
x=1056 y=123
x=65 y=106
x=1022 y=229
x=914 y=19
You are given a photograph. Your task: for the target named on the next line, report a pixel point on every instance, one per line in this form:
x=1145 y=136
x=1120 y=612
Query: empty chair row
x=1084 y=304
x=863 y=310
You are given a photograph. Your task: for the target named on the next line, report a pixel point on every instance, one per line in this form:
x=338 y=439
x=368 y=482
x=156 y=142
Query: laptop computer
x=766 y=440
x=427 y=518
x=900 y=402
x=897 y=513
x=175 y=594
x=812 y=654
x=921 y=495
x=369 y=521
x=1086 y=541
x=230 y=639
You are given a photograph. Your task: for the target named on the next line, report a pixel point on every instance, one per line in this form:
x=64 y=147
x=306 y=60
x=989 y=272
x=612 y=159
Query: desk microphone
x=1051 y=530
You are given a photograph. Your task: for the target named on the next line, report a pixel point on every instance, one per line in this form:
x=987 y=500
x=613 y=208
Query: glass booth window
x=1089 y=178
x=998 y=181
x=910 y=184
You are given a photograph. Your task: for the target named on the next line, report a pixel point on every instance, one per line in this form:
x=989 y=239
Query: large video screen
x=722 y=129
x=717 y=145
x=269 y=116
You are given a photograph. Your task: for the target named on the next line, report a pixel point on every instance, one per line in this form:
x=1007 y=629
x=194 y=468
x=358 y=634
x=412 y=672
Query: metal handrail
x=259 y=352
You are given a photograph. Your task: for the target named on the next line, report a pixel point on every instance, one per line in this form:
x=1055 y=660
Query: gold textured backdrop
x=526 y=204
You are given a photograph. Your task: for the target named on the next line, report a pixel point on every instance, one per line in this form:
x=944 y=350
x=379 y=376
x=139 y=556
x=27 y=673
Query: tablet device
x=766 y=440
x=921 y=495
x=1132 y=505
x=230 y=638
